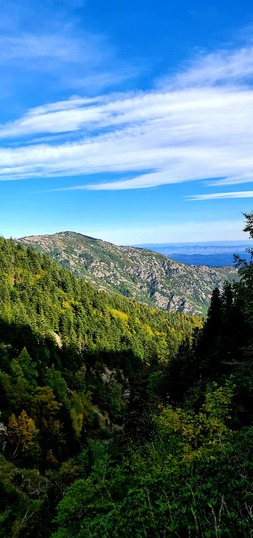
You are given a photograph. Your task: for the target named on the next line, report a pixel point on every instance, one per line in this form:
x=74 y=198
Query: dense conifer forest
x=121 y=419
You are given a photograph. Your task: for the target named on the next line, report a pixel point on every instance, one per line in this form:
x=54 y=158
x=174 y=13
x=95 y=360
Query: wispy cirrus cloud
x=40 y=46
x=218 y=68
x=49 y=43
x=84 y=61
x=233 y=179
x=191 y=129
x=221 y=195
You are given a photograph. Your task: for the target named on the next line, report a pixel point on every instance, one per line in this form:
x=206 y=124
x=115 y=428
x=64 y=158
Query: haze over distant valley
x=212 y=254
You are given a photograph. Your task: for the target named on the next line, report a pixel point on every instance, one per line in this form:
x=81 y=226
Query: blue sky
x=128 y=121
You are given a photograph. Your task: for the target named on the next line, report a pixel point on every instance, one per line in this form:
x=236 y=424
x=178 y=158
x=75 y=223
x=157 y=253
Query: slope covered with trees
x=71 y=358
x=191 y=475
x=134 y=421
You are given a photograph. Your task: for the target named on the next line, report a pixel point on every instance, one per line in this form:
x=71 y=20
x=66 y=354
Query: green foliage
x=50 y=300
x=23 y=501
x=200 y=432
x=171 y=486
x=29 y=367
x=57 y=383
x=119 y=419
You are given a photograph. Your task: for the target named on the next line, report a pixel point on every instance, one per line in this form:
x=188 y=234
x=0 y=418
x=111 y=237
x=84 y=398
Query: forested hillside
x=71 y=359
x=119 y=419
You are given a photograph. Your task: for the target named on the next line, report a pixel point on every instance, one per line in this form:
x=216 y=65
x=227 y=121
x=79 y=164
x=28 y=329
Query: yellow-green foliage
x=199 y=431
x=117 y=314
x=21 y=431
x=36 y=292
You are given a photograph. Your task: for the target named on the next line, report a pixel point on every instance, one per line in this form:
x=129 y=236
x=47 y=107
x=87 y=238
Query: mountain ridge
x=138 y=273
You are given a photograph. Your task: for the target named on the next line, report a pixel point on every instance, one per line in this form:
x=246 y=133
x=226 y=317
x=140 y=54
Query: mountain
x=211 y=253
x=140 y=274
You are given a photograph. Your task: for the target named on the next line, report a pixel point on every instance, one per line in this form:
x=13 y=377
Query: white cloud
x=222 y=195
x=192 y=131
x=216 y=68
x=51 y=46
x=57 y=51
x=233 y=179
x=45 y=46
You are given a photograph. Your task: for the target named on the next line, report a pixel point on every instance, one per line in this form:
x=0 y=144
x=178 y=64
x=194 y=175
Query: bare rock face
x=3 y=436
x=161 y=300
x=137 y=273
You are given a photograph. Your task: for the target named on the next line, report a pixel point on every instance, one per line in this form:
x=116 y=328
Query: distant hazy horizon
x=210 y=253
x=239 y=242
